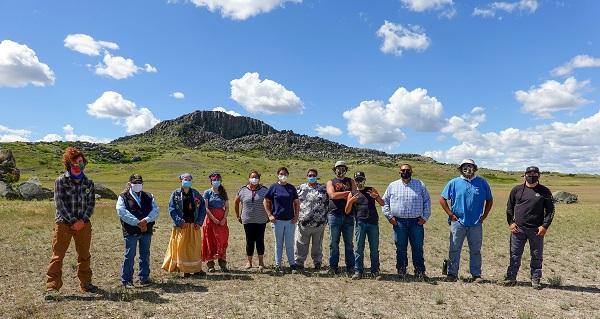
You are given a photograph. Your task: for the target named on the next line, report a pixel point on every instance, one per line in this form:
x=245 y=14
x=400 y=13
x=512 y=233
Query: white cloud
x=222 y=109
x=119 y=68
x=559 y=146
x=522 y=6
x=69 y=135
x=552 y=96
x=328 y=130
x=397 y=38
x=85 y=44
x=20 y=66
x=178 y=95
x=422 y=5
x=263 y=96
x=241 y=9
x=577 y=62
x=372 y=122
x=112 y=105
x=149 y=68
x=8 y=135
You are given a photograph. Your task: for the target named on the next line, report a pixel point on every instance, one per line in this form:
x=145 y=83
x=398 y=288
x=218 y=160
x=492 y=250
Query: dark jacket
x=139 y=212
x=176 y=207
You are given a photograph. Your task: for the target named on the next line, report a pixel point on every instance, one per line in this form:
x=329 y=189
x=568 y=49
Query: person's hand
x=541 y=231
x=196 y=226
x=294 y=220
x=223 y=221
x=421 y=221
x=393 y=221
x=482 y=218
x=513 y=228
x=272 y=219
x=78 y=225
x=373 y=193
x=143 y=225
x=453 y=218
x=354 y=197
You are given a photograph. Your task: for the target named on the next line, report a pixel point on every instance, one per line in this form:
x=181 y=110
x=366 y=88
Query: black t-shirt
x=530 y=207
x=364 y=208
x=338 y=206
x=189 y=206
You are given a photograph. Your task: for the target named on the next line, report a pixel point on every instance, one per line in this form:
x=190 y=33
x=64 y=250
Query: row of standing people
x=298 y=216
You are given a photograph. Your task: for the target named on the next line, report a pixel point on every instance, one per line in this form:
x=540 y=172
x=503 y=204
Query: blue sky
x=508 y=83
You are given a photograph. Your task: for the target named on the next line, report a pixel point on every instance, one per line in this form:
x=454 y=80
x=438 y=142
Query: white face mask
x=137 y=187
x=283 y=178
x=253 y=181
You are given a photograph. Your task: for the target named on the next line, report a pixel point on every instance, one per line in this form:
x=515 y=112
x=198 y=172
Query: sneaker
x=509 y=281
x=421 y=276
x=89 y=288
x=278 y=269
x=211 y=266
x=357 y=276
x=349 y=272
x=147 y=282
x=477 y=279
x=294 y=269
x=330 y=272
x=401 y=274
x=451 y=278
x=128 y=285
x=317 y=266
x=223 y=265
x=52 y=295
x=535 y=284
x=376 y=275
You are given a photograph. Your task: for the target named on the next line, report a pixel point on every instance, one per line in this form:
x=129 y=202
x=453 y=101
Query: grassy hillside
x=571 y=252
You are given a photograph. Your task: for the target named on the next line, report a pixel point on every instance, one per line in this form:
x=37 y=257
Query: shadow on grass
x=174 y=287
x=591 y=290
x=228 y=276
x=118 y=294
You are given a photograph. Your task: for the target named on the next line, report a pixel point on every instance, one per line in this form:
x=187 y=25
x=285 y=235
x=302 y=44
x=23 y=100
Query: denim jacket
x=176 y=207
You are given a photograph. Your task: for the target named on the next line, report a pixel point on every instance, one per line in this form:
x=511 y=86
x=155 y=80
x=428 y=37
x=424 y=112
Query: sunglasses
x=311 y=175
x=405 y=170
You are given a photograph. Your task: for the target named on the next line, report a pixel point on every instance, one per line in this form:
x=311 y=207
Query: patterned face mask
x=340 y=171
x=468 y=171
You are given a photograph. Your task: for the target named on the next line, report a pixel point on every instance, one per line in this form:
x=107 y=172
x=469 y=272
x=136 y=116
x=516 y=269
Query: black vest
x=139 y=212
x=338 y=206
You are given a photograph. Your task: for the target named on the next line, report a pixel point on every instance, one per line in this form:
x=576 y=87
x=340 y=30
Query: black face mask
x=532 y=179
x=405 y=175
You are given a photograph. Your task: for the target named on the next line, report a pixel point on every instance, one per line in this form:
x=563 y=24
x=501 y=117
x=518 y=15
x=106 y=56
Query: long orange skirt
x=216 y=237
x=183 y=253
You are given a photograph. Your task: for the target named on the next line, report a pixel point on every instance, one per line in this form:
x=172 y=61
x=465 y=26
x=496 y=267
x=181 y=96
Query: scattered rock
x=31 y=191
x=105 y=192
x=564 y=197
x=9 y=172
x=97 y=196
x=35 y=180
x=6 y=191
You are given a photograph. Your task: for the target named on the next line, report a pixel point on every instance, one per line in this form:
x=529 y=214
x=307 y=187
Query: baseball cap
x=359 y=175
x=532 y=169
x=136 y=179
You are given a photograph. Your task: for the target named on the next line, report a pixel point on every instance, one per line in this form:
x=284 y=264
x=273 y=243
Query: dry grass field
x=571 y=264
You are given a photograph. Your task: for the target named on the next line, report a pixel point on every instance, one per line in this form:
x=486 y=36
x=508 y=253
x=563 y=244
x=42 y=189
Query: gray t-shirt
x=253 y=211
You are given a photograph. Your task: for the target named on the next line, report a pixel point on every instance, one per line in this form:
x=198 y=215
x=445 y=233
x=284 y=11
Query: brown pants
x=60 y=243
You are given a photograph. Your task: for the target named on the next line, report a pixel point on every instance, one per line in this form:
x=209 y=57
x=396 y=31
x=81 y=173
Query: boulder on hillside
x=31 y=191
x=564 y=197
x=105 y=192
x=9 y=172
x=6 y=191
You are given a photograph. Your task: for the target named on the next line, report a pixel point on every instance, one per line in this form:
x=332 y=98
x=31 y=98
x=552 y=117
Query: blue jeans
x=408 y=230
x=341 y=225
x=131 y=244
x=283 y=231
x=372 y=232
x=474 y=236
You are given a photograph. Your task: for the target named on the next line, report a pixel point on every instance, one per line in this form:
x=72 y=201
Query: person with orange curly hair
x=74 y=197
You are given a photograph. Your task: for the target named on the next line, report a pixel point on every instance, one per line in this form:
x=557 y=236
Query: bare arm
x=268 y=204
x=236 y=206
x=446 y=208
x=336 y=195
x=350 y=202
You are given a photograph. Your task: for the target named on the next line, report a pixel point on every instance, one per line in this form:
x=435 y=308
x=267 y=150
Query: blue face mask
x=312 y=179
x=187 y=184
x=216 y=184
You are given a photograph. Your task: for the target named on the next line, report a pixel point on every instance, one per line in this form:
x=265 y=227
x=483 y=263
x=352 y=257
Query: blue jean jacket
x=176 y=207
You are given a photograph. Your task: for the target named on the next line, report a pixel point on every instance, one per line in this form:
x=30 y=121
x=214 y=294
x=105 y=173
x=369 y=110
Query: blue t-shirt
x=214 y=200
x=283 y=197
x=467 y=198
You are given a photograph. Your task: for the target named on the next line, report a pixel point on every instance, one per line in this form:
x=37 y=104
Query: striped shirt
x=407 y=200
x=74 y=201
x=253 y=210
